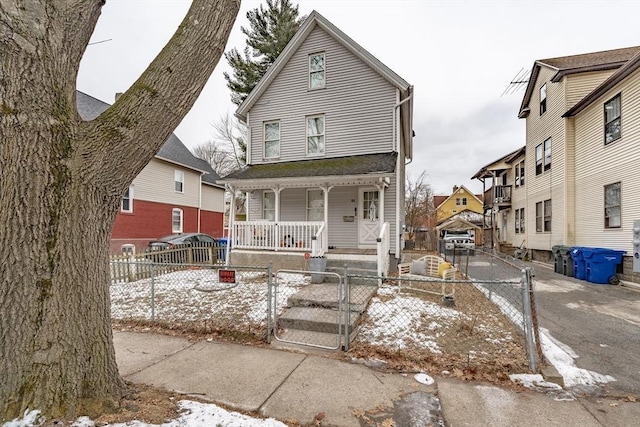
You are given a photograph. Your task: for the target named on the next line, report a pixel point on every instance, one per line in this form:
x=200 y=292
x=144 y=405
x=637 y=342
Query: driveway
x=597 y=325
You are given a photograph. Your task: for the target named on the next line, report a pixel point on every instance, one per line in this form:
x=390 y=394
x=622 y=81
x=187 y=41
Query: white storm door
x=368 y=217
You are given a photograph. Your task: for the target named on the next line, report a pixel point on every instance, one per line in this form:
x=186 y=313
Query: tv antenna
x=520 y=80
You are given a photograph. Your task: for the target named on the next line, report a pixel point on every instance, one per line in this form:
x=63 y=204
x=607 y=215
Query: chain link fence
x=479 y=319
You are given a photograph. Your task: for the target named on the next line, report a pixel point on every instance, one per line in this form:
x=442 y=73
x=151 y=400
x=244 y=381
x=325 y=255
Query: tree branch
x=128 y=134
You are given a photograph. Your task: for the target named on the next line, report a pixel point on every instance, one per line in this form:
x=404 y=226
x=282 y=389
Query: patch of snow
x=30 y=418
x=423 y=378
x=534 y=381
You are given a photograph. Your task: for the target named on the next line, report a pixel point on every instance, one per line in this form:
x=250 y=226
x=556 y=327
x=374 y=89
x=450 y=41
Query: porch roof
x=369 y=167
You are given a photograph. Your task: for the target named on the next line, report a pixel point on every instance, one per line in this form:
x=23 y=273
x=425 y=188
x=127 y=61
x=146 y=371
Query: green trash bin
x=557 y=259
x=566 y=261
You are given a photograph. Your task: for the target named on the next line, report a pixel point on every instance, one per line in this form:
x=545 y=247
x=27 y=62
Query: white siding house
x=330 y=130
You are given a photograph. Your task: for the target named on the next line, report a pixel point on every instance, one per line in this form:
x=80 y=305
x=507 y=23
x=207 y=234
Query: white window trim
x=322 y=198
x=130 y=210
x=178 y=176
x=323 y=134
x=543 y=99
x=264 y=209
x=264 y=139
x=173 y=228
x=128 y=249
x=324 y=70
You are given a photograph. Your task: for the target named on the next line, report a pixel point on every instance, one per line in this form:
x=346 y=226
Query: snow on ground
x=558 y=354
x=193 y=295
x=406 y=320
x=194 y=414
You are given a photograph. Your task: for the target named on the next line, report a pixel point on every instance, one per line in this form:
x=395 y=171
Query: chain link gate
x=314 y=314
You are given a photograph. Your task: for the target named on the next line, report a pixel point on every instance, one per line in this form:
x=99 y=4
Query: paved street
x=599 y=323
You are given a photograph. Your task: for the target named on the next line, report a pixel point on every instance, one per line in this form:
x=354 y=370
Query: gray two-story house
x=329 y=135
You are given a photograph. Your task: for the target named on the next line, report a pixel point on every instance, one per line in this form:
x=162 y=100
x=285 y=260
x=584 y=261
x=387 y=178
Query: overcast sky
x=459 y=55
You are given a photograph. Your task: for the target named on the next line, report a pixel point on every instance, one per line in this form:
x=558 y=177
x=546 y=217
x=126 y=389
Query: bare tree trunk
x=61 y=183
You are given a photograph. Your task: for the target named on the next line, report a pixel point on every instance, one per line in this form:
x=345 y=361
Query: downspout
x=400 y=163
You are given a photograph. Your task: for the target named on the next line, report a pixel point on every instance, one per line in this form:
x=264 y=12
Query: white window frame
x=609 y=105
x=322 y=71
x=320 y=135
x=543 y=99
x=519 y=174
x=265 y=141
x=128 y=195
x=318 y=209
x=180 y=217
x=610 y=205
x=128 y=249
x=178 y=181
x=265 y=211
x=519 y=221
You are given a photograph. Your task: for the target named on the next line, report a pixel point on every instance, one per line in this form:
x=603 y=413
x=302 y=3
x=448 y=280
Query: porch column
x=381 y=186
x=277 y=189
x=325 y=192
x=230 y=223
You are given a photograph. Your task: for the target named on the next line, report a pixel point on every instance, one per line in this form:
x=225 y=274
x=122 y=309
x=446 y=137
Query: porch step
x=359 y=264
x=316 y=319
x=325 y=296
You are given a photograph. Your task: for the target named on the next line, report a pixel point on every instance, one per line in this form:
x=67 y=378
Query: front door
x=368 y=217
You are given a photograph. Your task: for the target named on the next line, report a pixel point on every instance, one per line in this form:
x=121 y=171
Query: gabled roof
x=457 y=223
x=625 y=71
x=438 y=200
x=172 y=151
x=313 y=20
x=566 y=65
x=337 y=166
x=485 y=171
x=457 y=190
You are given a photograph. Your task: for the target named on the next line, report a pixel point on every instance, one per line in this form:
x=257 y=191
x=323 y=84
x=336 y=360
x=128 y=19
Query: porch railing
x=275 y=236
x=383 y=246
x=318 y=242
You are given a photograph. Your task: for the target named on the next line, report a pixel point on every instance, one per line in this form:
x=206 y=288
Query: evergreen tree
x=270 y=31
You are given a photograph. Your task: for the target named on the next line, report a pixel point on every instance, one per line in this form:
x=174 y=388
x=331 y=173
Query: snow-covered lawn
x=418 y=322
x=197 y=295
x=194 y=414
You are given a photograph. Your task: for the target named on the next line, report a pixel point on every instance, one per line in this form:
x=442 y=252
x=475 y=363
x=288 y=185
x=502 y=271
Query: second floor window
x=178 y=181
x=316 y=71
x=612 y=123
x=612 y=211
x=519 y=221
x=315 y=135
x=519 y=174
x=271 y=140
x=543 y=156
x=543 y=99
x=176 y=220
x=126 y=204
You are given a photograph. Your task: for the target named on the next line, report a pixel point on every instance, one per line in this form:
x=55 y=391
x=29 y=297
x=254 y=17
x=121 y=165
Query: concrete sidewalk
x=295 y=386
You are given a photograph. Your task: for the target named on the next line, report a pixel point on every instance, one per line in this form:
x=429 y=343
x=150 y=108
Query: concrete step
x=316 y=319
x=353 y=264
x=325 y=295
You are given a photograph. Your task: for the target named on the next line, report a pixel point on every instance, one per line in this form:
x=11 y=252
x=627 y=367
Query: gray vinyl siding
x=598 y=165
x=356 y=101
x=343 y=234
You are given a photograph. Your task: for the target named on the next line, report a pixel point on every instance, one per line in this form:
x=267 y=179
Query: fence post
x=269 y=296
x=527 y=319
x=153 y=292
x=345 y=298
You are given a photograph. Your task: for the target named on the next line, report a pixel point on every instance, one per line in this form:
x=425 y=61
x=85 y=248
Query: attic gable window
x=543 y=99
x=612 y=124
x=316 y=71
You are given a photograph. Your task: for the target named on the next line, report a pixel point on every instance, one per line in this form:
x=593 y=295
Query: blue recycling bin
x=222 y=242
x=601 y=264
x=579 y=264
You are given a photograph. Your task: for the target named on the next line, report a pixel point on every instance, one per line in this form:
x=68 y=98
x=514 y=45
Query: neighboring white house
x=582 y=157
x=330 y=131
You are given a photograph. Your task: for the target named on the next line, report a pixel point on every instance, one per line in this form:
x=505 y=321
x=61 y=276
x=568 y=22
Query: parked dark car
x=181 y=240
